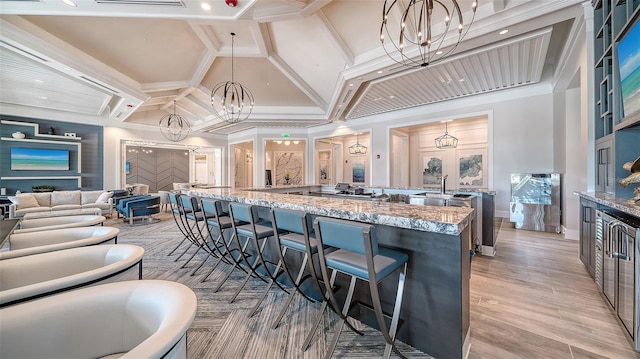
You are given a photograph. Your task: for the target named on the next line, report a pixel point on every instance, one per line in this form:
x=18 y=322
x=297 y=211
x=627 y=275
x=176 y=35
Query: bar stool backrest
x=242 y=212
x=189 y=203
x=173 y=199
x=289 y=221
x=346 y=235
x=212 y=207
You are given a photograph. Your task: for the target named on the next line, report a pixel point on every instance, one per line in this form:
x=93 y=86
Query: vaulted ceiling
x=307 y=62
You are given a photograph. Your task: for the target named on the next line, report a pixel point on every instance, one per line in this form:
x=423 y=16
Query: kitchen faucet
x=443 y=184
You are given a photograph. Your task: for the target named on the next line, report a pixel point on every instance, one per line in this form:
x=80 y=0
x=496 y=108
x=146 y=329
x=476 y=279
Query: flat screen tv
x=35 y=159
x=629 y=67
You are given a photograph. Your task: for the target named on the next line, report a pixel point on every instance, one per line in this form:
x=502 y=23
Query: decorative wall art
x=35 y=159
x=289 y=167
x=358 y=171
x=471 y=169
x=432 y=170
x=325 y=166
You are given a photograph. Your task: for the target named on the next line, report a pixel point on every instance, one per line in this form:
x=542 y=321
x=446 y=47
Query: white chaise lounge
x=46 y=224
x=127 y=320
x=31 y=277
x=24 y=244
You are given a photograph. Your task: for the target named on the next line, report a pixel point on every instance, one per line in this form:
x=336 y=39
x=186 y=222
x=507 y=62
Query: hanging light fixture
x=357 y=149
x=446 y=141
x=174 y=127
x=231 y=100
x=418 y=39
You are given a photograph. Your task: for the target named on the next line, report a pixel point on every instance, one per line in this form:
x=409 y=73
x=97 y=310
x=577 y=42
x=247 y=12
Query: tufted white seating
x=30 y=277
x=46 y=224
x=24 y=244
x=128 y=320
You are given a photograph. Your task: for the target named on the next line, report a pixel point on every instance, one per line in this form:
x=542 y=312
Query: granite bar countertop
x=445 y=220
x=622 y=204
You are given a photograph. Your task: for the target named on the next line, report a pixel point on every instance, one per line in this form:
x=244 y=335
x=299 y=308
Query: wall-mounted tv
x=35 y=159
x=629 y=68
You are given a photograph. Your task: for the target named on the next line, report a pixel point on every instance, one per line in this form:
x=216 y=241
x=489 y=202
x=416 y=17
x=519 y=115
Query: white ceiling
x=307 y=62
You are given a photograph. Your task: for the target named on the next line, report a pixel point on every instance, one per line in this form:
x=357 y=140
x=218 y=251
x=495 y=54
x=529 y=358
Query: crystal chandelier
x=446 y=141
x=417 y=39
x=174 y=127
x=231 y=100
x=357 y=149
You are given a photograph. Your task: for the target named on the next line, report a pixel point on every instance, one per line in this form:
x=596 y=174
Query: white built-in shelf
x=36 y=131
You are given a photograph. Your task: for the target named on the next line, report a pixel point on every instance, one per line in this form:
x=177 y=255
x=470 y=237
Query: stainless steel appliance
x=535 y=201
x=619 y=272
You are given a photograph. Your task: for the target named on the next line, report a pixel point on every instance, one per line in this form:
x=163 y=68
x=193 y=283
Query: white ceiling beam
x=281 y=65
x=333 y=34
x=313 y=7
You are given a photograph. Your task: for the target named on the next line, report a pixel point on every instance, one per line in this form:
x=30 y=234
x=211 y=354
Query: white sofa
x=29 y=277
x=60 y=200
x=25 y=244
x=127 y=320
x=46 y=224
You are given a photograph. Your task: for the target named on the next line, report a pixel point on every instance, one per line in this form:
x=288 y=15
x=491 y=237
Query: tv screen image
x=34 y=159
x=629 y=65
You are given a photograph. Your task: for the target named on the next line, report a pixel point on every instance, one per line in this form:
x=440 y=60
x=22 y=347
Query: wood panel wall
x=159 y=168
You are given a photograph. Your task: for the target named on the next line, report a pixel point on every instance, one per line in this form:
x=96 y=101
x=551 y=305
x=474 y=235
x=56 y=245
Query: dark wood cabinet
x=588 y=234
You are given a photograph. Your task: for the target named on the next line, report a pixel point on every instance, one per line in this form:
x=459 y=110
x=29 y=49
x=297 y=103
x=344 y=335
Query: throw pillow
x=104 y=197
x=90 y=196
x=23 y=201
x=44 y=199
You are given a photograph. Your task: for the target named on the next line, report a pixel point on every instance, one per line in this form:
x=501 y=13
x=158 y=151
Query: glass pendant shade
x=357 y=149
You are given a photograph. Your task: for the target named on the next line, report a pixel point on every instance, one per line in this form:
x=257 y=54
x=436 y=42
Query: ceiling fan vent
x=143 y=2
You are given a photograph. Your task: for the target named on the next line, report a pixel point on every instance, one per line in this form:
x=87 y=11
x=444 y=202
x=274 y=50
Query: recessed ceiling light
x=70 y=3
x=39 y=81
x=350 y=84
x=44 y=97
x=205 y=6
x=439 y=52
x=392 y=96
x=461 y=80
x=380 y=71
x=503 y=32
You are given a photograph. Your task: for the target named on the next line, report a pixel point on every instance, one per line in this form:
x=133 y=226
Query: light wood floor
x=534 y=299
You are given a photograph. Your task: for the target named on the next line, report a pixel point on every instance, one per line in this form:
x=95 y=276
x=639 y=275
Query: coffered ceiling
x=307 y=62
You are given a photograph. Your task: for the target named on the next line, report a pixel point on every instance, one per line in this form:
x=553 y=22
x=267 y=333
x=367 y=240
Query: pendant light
x=446 y=141
x=231 y=100
x=173 y=126
x=357 y=149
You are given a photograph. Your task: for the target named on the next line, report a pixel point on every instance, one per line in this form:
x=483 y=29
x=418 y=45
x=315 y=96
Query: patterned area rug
x=222 y=329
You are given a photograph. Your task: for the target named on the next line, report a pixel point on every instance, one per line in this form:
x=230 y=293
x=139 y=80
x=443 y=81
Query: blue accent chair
x=138 y=206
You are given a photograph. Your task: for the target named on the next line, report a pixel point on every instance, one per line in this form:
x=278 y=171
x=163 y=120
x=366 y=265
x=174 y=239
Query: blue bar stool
x=196 y=221
x=255 y=230
x=219 y=221
x=292 y=230
x=359 y=257
x=179 y=217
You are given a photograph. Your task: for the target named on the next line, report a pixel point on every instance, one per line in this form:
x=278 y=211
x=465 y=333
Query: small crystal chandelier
x=231 y=101
x=174 y=127
x=446 y=141
x=412 y=41
x=357 y=149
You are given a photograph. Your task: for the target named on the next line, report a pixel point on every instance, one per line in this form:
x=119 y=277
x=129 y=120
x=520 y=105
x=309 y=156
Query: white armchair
x=127 y=320
x=24 y=244
x=29 y=277
x=47 y=224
